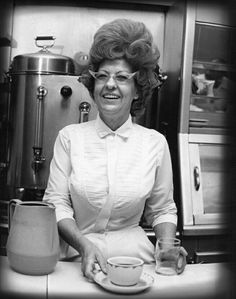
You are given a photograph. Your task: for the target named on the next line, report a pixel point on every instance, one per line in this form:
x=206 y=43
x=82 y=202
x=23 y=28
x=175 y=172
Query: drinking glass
x=170 y=258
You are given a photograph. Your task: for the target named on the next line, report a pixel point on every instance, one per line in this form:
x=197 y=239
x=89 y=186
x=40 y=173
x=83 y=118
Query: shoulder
x=150 y=134
x=73 y=134
x=154 y=145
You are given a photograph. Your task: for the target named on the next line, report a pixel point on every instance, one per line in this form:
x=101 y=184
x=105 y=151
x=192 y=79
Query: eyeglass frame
x=130 y=76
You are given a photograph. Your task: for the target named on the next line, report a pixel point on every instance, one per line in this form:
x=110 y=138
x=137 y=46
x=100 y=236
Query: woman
x=105 y=173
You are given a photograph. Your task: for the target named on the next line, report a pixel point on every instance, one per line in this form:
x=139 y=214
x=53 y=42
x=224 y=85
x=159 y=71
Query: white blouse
x=104 y=179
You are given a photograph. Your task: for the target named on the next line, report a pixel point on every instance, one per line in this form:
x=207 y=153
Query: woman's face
x=114 y=98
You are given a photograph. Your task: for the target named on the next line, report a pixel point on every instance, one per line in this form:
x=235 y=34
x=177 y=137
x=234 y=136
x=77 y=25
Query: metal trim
x=186 y=80
x=185 y=181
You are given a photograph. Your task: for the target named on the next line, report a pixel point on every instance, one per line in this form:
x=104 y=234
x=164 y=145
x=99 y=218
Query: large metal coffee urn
x=45 y=97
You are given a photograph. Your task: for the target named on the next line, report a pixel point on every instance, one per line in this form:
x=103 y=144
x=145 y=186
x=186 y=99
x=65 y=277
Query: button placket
x=111 y=162
x=105 y=212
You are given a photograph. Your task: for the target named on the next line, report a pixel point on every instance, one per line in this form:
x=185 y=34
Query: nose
x=111 y=82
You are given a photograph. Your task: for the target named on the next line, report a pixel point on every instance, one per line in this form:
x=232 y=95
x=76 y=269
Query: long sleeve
x=57 y=191
x=160 y=206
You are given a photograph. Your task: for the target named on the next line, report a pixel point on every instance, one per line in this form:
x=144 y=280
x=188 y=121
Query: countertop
x=197 y=281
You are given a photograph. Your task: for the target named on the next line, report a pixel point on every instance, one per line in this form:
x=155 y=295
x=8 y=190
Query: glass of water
x=170 y=259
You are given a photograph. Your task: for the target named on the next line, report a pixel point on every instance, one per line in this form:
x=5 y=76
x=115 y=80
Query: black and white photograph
x=117 y=149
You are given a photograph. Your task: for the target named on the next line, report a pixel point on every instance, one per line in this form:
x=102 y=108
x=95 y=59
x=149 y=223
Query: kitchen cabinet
x=205 y=141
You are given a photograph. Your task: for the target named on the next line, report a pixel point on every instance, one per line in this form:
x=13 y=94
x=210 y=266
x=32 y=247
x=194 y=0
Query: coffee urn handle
x=40 y=44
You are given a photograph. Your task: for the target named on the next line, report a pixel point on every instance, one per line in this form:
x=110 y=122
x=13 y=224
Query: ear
x=136 y=94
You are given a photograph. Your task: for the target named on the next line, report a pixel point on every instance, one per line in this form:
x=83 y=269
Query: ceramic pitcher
x=33 y=241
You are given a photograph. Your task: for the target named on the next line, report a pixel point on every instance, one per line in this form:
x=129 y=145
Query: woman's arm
x=58 y=194
x=57 y=191
x=89 y=252
x=165 y=230
x=160 y=209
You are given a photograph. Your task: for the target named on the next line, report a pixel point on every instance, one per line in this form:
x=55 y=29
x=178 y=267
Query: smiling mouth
x=111 y=96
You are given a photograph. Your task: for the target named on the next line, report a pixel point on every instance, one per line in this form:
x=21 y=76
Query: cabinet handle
x=196 y=176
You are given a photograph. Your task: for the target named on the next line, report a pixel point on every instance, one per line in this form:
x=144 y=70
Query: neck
x=114 y=123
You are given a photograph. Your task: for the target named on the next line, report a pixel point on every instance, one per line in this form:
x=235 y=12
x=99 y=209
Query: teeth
x=110 y=96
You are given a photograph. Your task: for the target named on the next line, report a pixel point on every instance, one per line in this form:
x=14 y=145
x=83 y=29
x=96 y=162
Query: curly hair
x=132 y=41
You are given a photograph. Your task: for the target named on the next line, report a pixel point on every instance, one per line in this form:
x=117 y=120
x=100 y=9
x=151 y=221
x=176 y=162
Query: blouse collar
x=103 y=130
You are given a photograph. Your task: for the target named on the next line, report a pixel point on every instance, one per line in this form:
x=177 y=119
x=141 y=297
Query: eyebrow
x=121 y=71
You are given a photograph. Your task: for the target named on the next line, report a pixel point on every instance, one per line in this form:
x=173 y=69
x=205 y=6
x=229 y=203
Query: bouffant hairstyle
x=132 y=41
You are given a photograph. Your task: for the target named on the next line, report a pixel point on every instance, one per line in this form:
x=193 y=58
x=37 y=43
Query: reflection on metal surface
x=37 y=122
x=196 y=178
x=84 y=109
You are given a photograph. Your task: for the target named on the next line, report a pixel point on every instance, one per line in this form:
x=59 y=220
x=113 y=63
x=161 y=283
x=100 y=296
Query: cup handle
x=11 y=209
x=181 y=263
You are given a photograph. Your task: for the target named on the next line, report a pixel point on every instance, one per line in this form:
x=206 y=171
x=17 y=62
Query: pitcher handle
x=11 y=208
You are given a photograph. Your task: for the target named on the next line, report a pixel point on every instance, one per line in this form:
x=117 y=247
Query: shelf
x=200 y=96
x=209 y=119
x=207 y=65
x=205 y=230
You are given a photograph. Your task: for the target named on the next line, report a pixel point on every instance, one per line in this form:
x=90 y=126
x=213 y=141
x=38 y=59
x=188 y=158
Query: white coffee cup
x=124 y=270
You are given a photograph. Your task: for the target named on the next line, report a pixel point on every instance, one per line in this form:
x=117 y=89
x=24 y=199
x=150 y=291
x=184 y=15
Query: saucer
x=145 y=282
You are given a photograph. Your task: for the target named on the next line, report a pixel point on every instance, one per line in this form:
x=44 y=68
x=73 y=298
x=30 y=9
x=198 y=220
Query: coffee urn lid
x=42 y=62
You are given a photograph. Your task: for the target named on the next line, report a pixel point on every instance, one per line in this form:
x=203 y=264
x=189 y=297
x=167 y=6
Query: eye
x=101 y=76
x=122 y=77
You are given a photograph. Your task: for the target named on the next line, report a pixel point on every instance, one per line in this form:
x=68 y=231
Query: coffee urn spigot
x=38 y=159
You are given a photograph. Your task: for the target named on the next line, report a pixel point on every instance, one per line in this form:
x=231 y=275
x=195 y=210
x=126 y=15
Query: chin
x=111 y=108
